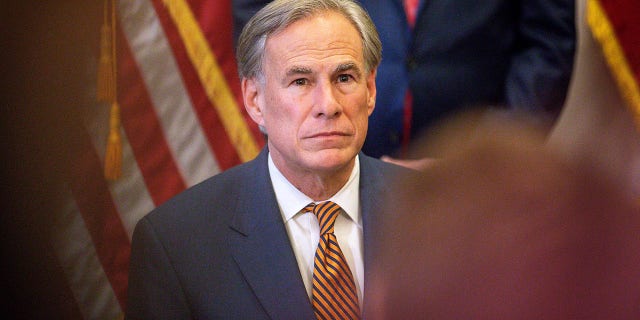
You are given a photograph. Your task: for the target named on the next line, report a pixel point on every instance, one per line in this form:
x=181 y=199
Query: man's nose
x=326 y=103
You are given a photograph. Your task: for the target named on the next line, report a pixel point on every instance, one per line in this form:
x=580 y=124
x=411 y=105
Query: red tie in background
x=411 y=10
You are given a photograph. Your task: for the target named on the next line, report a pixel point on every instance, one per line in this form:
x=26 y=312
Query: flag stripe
x=77 y=255
x=101 y=218
x=187 y=143
x=211 y=76
x=216 y=20
x=148 y=141
x=218 y=139
x=130 y=195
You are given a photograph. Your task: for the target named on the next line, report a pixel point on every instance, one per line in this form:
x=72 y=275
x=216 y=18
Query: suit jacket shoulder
x=221 y=250
x=217 y=250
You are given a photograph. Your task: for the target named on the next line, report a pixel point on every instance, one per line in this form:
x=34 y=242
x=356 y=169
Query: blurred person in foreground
x=243 y=245
x=511 y=225
x=600 y=123
x=504 y=228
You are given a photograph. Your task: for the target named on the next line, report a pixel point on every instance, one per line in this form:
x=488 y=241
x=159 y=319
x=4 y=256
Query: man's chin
x=331 y=159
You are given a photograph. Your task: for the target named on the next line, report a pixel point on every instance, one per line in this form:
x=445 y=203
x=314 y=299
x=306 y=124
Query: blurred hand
x=416 y=164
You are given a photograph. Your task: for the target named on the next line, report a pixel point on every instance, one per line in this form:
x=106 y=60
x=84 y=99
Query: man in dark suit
x=241 y=245
x=462 y=54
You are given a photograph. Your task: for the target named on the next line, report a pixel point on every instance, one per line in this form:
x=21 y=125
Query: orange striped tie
x=334 y=291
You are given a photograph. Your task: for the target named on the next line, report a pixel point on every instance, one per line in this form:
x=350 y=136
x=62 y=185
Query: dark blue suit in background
x=462 y=54
x=220 y=250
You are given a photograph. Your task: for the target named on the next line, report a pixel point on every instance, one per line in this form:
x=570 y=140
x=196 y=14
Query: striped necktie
x=334 y=291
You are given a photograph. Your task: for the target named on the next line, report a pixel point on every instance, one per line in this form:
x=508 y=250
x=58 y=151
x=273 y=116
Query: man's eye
x=344 y=78
x=300 y=82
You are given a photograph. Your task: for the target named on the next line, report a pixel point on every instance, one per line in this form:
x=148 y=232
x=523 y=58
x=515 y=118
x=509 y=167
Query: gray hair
x=279 y=14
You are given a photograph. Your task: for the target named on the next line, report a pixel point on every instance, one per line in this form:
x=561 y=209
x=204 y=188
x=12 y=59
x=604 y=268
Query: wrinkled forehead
x=305 y=15
x=308 y=15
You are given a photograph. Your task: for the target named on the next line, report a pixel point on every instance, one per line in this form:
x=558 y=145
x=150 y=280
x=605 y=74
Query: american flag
x=182 y=121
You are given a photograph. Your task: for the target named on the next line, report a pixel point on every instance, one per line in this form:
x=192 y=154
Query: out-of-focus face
x=315 y=98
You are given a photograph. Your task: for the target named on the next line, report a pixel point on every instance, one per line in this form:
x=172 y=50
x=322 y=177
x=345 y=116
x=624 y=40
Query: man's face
x=316 y=96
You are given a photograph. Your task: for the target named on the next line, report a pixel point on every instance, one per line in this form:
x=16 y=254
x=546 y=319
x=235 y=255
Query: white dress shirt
x=304 y=231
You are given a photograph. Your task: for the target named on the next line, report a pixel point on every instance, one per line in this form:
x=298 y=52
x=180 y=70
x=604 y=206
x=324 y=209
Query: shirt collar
x=291 y=200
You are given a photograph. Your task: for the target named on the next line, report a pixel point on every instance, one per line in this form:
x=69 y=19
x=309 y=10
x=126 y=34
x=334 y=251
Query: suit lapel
x=260 y=246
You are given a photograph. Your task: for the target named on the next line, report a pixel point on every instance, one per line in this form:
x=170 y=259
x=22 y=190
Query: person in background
x=257 y=241
x=445 y=57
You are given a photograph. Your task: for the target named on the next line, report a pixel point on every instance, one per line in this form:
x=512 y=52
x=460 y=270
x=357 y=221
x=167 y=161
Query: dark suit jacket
x=462 y=54
x=220 y=250
x=468 y=53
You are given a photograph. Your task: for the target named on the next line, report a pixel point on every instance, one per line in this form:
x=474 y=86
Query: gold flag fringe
x=605 y=34
x=105 y=87
x=113 y=155
x=107 y=91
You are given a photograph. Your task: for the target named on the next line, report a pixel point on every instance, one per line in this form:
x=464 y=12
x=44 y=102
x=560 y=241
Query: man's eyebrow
x=349 y=66
x=296 y=70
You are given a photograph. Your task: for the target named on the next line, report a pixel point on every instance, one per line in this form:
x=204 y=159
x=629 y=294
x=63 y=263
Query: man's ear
x=251 y=91
x=371 y=89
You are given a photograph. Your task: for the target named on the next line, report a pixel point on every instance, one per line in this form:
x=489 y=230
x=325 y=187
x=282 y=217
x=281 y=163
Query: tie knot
x=326 y=212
